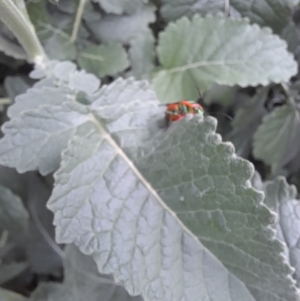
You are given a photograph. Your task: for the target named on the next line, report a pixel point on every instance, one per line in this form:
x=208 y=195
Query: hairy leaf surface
x=203 y=51
x=171 y=214
x=36 y=139
x=281 y=197
x=276 y=140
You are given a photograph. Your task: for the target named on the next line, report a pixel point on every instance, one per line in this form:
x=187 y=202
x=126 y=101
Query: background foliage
x=99 y=200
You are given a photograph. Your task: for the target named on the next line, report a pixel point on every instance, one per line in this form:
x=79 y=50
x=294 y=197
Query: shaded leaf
x=6 y=295
x=104 y=60
x=15 y=85
x=11 y=270
x=112 y=28
x=13 y=215
x=35 y=140
x=281 y=197
x=272 y=13
x=171 y=214
x=246 y=122
x=211 y=50
x=276 y=139
x=121 y=6
x=142 y=54
x=223 y=95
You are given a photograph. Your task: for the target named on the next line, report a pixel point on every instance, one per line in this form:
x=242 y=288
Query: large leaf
x=36 y=139
x=281 y=197
x=113 y=28
x=13 y=215
x=170 y=213
x=104 y=60
x=213 y=49
x=272 y=13
x=276 y=140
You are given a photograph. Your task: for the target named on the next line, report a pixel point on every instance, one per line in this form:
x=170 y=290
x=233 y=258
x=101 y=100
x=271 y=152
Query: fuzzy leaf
x=104 y=60
x=112 y=28
x=13 y=215
x=35 y=98
x=36 y=139
x=142 y=54
x=119 y=7
x=281 y=197
x=272 y=13
x=225 y=51
x=276 y=140
x=171 y=214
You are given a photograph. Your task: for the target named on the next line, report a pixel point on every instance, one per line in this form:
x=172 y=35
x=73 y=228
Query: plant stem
x=23 y=30
x=226 y=7
x=77 y=21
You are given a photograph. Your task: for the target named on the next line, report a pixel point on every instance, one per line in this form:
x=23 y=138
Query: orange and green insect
x=176 y=111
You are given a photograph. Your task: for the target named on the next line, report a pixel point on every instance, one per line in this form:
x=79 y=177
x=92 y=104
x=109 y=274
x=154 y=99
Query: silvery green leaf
x=11 y=49
x=37 y=97
x=246 y=121
x=6 y=295
x=171 y=214
x=36 y=139
x=272 y=13
x=142 y=54
x=275 y=141
x=281 y=197
x=13 y=215
x=103 y=60
x=119 y=7
x=113 y=28
x=203 y=51
x=84 y=82
x=11 y=270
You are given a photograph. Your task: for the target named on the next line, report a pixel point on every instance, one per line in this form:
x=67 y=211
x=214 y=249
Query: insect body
x=177 y=110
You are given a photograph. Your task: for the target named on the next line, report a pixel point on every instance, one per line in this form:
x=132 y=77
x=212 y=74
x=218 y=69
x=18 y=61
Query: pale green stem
x=77 y=21
x=23 y=30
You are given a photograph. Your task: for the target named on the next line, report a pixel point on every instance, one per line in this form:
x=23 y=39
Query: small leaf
x=142 y=54
x=171 y=214
x=281 y=197
x=119 y=7
x=84 y=82
x=36 y=139
x=15 y=85
x=246 y=122
x=211 y=50
x=112 y=28
x=13 y=215
x=104 y=60
x=276 y=140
